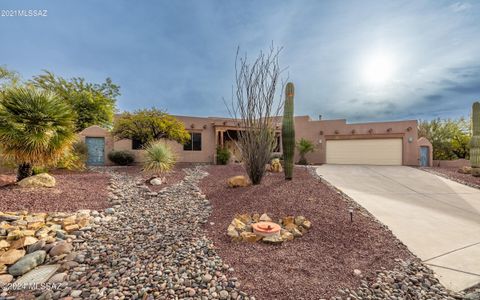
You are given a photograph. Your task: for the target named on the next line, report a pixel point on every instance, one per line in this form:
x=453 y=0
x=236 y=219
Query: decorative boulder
x=465 y=170
x=238 y=181
x=157 y=181
x=27 y=263
x=40 y=180
x=276 y=166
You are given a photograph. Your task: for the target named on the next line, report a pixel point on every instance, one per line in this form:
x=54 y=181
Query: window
x=195 y=142
x=278 y=143
x=137 y=144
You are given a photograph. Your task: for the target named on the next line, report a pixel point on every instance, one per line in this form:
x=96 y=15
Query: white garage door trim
x=365 y=151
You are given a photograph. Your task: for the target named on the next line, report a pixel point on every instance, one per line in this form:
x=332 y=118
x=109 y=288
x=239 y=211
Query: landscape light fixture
x=350 y=210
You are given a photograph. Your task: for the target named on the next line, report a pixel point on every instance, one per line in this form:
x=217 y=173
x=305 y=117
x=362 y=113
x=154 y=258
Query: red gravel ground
x=314 y=266
x=451 y=173
x=171 y=178
x=73 y=191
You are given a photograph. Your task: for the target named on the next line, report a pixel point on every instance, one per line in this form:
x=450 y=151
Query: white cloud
x=460 y=6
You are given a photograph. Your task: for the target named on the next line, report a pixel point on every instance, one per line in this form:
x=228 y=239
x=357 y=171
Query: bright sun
x=378 y=69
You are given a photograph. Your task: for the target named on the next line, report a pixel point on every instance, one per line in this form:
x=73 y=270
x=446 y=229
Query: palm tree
x=36 y=128
x=304 y=146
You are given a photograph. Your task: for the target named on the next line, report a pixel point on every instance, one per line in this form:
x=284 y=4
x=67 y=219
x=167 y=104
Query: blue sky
x=360 y=60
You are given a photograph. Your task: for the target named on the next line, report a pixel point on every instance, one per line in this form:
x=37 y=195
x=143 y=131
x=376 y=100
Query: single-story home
x=336 y=142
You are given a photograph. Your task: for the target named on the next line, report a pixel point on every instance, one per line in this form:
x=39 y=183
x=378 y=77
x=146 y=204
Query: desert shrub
x=121 y=158
x=304 y=146
x=74 y=158
x=39 y=170
x=6 y=163
x=160 y=158
x=254 y=107
x=223 y=155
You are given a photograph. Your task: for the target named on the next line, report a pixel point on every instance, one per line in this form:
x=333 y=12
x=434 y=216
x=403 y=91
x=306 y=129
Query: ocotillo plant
x=475 y=143
x=288 y=131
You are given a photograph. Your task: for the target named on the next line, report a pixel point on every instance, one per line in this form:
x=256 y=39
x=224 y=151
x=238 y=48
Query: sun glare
x=378 y=69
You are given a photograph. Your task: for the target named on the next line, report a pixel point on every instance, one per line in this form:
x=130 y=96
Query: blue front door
x=424 y=156
x=96 y=150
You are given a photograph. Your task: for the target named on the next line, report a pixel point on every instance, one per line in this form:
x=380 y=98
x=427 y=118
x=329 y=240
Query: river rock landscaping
x=172 y=244
x=28 y=241
x=153 y=247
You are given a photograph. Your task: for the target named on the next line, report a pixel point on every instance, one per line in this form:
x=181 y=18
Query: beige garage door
x=365 y=152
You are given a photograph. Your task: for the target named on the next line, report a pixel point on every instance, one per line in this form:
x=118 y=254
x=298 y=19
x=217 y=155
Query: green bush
x=121 y=158
x=74 y=158
x=223 y=155
x=39 y=170
x=160 y=158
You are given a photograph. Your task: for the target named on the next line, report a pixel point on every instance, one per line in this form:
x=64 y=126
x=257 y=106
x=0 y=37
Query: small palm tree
x=304 y=146
x=36 y=127
x=160 y=158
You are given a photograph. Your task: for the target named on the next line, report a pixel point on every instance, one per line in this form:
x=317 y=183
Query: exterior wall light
x=410 y=139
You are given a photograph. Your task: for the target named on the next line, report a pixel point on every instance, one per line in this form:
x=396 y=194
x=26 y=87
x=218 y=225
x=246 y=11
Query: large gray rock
x=35 y=247
x=27 y=263
x=40 y=180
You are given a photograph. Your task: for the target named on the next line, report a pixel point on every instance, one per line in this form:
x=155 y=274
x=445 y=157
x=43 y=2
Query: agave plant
x=160 y=158
x=36 y=128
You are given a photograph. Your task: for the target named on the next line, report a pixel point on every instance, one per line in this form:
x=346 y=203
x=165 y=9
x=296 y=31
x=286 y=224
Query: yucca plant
x=36 y=128
x=304 y=146
x=160 y=158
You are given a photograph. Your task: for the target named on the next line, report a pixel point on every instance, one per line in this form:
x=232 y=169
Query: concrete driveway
x=438 y=219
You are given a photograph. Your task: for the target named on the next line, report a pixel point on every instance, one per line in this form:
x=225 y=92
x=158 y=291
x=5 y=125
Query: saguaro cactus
x=475 y=143
x=288 y=131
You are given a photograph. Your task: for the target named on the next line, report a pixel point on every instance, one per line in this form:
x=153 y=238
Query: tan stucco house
x=336 y=141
